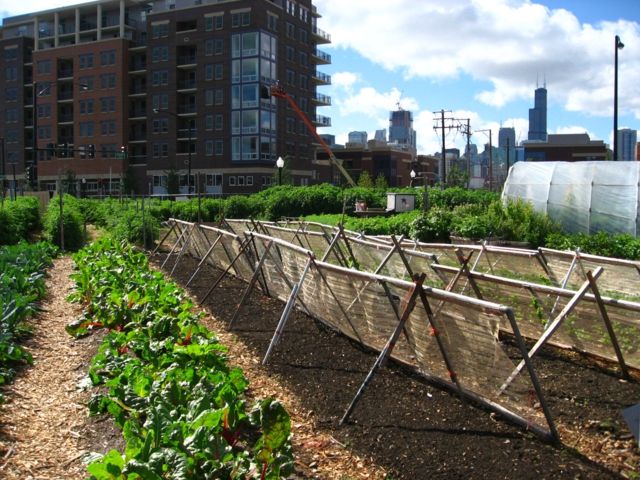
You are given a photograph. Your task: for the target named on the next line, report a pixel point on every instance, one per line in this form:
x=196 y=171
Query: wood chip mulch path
x=44 y=426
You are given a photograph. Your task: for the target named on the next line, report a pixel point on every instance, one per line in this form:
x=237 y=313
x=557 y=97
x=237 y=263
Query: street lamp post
x=425 y=190
x=190 y=134
x=280 y=164
x=618 y=46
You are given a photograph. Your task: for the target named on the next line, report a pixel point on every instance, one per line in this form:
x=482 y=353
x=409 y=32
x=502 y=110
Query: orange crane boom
x=277 y=91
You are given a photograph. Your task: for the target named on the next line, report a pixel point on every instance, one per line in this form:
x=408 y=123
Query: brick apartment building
x=135 y=91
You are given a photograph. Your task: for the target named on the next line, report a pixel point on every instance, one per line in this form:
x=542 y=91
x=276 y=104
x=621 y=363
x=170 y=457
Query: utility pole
x=444 y=127
x=466 y=130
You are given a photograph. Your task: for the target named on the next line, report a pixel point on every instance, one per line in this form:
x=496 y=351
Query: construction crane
x=277 y=91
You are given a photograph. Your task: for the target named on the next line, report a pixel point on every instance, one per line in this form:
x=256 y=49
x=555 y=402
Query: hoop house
x=583 y=197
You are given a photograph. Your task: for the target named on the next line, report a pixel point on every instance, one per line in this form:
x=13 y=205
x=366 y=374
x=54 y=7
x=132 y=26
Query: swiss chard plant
x=165 y=380
x=22 y=270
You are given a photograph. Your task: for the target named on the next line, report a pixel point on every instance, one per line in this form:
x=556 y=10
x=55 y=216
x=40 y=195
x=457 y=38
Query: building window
x=242 y=19
x=160 y=30
x=213 y=180
x=219 y=96
x=11 y=115
x=304 y=82
x=86 y=129
x=108 y=57
x=304 y=36
x=218 y=71
x=11 y=74
x=87 y=82
x=11 y=94
x=159 y=180
x=208 y=148
x=304 y=61
x=291 y=30
x=11 y=53
x=249 y=180
x=160 y=125
x=218 y=123
x=160 y=77
x=291 y=77
x=160 y=101
x=108 y=127
x=160 y=149
x=208 y=97
x=272 y=22
x=208 y=122
x=108 y=81
x=44 y=110
x=232 y=181
x=108 y=104
x=85 y=61
x=219 y=145
x=208 y=72
x=86 y=106
x=240 y=181
x=214 y=46
x=160 y=54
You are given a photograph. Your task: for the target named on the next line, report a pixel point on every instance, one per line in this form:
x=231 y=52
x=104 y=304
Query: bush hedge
x=73 y=223
x=19 y=219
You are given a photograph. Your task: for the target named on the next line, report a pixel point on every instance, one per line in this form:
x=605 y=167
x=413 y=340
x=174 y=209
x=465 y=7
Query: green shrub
x=129 y=226
x=19 y=219
x=434 y=226
x=604 y=244
x=73 y=223
x=241 y=207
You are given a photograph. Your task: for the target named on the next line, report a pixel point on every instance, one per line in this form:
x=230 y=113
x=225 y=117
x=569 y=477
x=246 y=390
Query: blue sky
x=481 y=59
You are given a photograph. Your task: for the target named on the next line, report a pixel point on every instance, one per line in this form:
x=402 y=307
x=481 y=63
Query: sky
x=475 y=59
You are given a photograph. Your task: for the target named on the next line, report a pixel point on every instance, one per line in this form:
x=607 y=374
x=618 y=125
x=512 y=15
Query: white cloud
x=504 y=42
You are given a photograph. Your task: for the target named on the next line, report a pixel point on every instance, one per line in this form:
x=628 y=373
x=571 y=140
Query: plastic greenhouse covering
x=584 y=197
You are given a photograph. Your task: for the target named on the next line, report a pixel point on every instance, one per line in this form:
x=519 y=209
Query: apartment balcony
x=138 y=66
x=321 y=58
x=186 y=85
x=322 y=100
x=320 y=35
x=322 y=78
x=186 y=61
x=185 y=134
x=322 y=121
x=65 y=73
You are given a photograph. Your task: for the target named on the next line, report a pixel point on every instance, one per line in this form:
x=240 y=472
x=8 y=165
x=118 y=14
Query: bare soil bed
x=405 y=428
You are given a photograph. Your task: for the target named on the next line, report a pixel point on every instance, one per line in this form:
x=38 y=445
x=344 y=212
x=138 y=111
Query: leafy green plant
x=73 y=223
x=18 y=219
x=21 y=286
x=166 y=381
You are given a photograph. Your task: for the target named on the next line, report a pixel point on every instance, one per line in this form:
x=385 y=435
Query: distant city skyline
x=480 y=59
x=483 y=61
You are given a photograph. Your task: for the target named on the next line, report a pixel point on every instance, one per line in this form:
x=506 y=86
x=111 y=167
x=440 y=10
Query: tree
x=173 y=181
x=381 y=182
x=457 y=177
x=364 y=180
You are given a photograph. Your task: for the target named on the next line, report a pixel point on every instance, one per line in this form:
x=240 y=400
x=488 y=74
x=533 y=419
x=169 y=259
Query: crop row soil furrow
x=165 y=380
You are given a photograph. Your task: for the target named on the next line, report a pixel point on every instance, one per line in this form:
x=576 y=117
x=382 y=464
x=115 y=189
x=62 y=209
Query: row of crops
x=22 y=285
x=165 y=380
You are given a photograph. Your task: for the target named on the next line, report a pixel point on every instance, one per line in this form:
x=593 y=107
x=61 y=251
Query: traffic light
x=28 y=174
x=63 y=150
x=92 y=151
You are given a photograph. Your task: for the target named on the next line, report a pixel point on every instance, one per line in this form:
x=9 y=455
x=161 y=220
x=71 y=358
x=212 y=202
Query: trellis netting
x=584 y=197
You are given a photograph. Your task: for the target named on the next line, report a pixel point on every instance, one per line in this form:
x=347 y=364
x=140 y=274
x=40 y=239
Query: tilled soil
x=410 y=429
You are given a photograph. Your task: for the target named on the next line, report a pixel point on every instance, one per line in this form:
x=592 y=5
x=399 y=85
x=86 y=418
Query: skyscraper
x=538 y=116
x=106 y=89
x=627 y=144
x=401 y=130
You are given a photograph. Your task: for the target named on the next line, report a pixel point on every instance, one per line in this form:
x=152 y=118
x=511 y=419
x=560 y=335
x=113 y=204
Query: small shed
x=400 y=202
